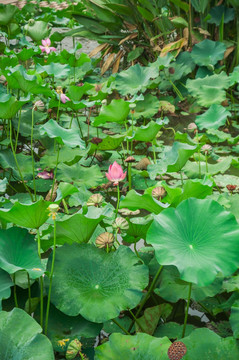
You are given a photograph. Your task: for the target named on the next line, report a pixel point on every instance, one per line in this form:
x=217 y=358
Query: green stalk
x=51 y=278
x=15 y=291
x=237 y=49
x=32 y=154
x=129 y=176
x=186 y=314
x=29 y=294
x=121 y=327
x=147 y=296
x=137 y=321
x=41 y=278
x=190 y=24
x=118 y=200
x=206 y=164
x=221 y=29
x=18 y=128
x=17 y=165
x=58 y=108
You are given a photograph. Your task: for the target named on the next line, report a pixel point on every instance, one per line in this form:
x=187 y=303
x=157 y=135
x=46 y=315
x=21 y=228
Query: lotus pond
x=119 y=234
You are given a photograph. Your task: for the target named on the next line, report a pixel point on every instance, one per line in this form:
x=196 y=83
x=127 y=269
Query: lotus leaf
x=208 y=52
x=199 y=237
x=213 y=118
x=94 y=284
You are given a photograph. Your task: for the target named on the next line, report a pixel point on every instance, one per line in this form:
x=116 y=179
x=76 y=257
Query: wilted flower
x=105 y=240
x=130 y=159
x=39 y=105
x=158 y=192
x=115 y=173
x=46 y=46
x=95 y=200
x=53 y=208
x=96 y=140
x=120 y=224
x=206 y=149
x=192 y=127
x=231 y=188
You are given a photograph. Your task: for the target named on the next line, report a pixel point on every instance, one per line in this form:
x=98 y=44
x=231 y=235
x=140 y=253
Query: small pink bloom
x=115 y=173
x=45 y=175
x=46 y=46
x=64 y=98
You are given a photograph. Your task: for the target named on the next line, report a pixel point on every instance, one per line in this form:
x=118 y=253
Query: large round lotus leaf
x=18 y=251
x=207 y=345
x=20 y=338
x=234 y=319
x=97 y=285
x=199 y=237
x=213 y=118
x=5 y=286
x=208 y=52
x=172 y=288
x=141 y=346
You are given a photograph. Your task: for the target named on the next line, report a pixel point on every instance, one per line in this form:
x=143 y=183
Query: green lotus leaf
x=174 y=159
x=231 y=284
x=7 y=161
x=213 y=118
x=209 y=90
x=234 y=76
x=146 y=133
x=94 y=284
x=234 y=319
x=191 y=169
x=69 y=137
x=31 y=216
x=26 y=54
x=172 y=330
x=134 y=79
x=116 y=111
x=137 y=230
x=57 y=70
x=208 y=52
x=172 y=288
x=218 y=12
x=3 y=185
x=135 y=201
x=9 y=105
x=211 y=346
x=62 y=329
x=140 y=346
x=200 y=5
x=149 y=321
x=18 y=79
x=108 y=143
x=5 y=286
x=38 y=30
x=76 y=92
x=147 y=107
x=78 y=228
x=7 y=13
x=20 y=338
x=18 y=251
x=199 y=237
x=80 y=175
x=111 y=327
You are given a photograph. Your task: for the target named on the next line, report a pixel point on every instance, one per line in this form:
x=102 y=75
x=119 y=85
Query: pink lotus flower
x=45 y=175
x=115 y=173
x=64 y=98
x=46 y=46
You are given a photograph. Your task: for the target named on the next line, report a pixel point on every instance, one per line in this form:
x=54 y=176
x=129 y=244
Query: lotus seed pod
x=31 y=22
x=158 y=192
x=104 y=240
x=104 y=102
x=206 y=149
x=53 y=208
x=127 y=212
x=59 y=90
x=177 y=350
x=192 y=127
x=120 y=224
x=74 y=348
x=95 y=200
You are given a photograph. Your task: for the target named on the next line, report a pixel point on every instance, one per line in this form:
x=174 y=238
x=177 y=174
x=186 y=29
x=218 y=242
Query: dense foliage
x=119 y=234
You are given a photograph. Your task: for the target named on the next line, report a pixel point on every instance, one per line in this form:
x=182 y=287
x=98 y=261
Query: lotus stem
x=41 y=279
x=15 y=291
x=18 y=128
x=51 y=278
x=29 y=294
x=121 y=327
x=137 y=321
x=58 y=109
x=152 y=286
x=130 y=176
x=17 y=165
x=186 y=314
x=32 y=154
x=118 y=200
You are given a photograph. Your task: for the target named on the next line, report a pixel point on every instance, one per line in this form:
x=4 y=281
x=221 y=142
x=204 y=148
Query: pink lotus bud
x=64 y=98
x=45 y=175
x=115 y=173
